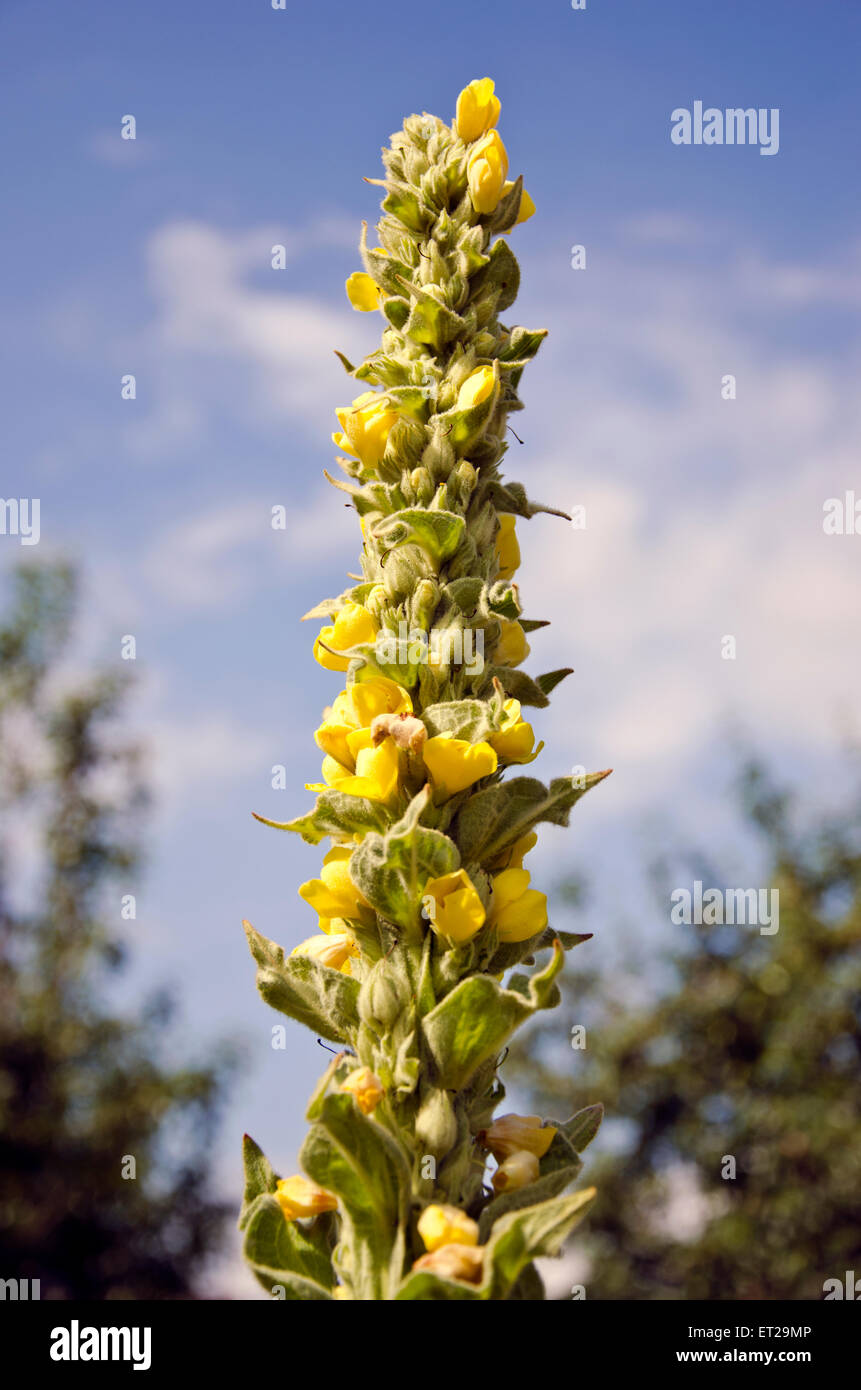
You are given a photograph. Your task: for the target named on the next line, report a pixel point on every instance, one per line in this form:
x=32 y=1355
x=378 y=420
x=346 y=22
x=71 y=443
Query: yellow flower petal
x=299 y=1196
x=453 y=906
x=507 y=548
x=455 y=764
x=444 y=1225
x=477 y=109
x=486 y=170
x=362 y=291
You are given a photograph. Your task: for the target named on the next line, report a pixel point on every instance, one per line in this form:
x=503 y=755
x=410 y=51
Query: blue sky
x=254 y=127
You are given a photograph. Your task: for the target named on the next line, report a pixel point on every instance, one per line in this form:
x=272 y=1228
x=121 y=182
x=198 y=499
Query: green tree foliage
x=752 y=1052
x=82 y=1091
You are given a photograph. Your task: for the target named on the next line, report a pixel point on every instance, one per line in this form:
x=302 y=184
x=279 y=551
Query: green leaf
x=437 y=533
x=403 y=203
x=511 y=497
x=533 y=624
x=581 y=1129
x=551 y=679
x=397 y=311
x=523 y=1236
x=431 y=321
x=505 y=213
x=501 y=275
x=474 y=1022
x=529 y=1286
x=522 y=345
x=353 y=1156
x=392 y=870
x=494 y=818
x=518 y=686
x=335 y=813
x=568 y=939
x=472 y=720
x=260 y=1177
x=284 y=1253
x=325 y=1000
x=430 y=1288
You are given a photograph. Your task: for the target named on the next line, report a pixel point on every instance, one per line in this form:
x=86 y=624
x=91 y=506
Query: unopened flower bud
x=366 y=1088
x=517 y=1171
x=436 y=1124
x=380 y=1001
x=509 y=1134
x=299 y=1196
x=443 y=1225
x=465 y=1262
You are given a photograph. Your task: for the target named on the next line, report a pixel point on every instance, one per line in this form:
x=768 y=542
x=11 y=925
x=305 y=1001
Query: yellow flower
x=356 y=708
x=331 y=737
x=301 y=1197
x=454 y=763
x=510 y=1134
x=353 y=627
x=442 y=1225
x=455 y=910
x=475 y=390
x=362 y=701
x=512 y=647
x=365 y=428
x=526 y=209
x=362 y=291
x=516 y=910
x=333 y=950
x=334 y=893
x=513 y=856
x=365 y=1087
x=465 y=1262
x=517 y=1171
x=377 y=773
x=486 y=170
x=477 y=109
x=334 y=773
x=515 y=740
x=341 y=1291
x=507 y=548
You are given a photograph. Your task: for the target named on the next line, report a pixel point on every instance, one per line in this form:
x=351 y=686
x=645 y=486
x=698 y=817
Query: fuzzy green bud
x=436 y=1124
x=381 y=1000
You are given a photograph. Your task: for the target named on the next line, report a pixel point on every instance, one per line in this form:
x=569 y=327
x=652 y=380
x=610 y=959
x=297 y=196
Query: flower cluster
x=423 y=903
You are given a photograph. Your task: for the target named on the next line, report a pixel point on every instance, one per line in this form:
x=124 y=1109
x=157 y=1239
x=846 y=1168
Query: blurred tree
x=82 y=1092
x=751 y=1053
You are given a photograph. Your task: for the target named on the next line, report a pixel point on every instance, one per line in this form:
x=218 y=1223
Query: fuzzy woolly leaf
x=392 y=870
x=551 y=679
x=522 y=345
x=523 y=1236
x=282 y=1252
x=472 y=720
x=512 y=498
x=430 y=1288
x=501 y=275
x=260 y=1177
x=335 y=813
x=325 y=1000
x=355 y=1158
x=438 y=533
x=474 y=1022
x=581 y=1129
x=518 y=686
x=494 y=818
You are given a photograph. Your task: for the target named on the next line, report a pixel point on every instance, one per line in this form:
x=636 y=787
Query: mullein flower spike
x=423 y=905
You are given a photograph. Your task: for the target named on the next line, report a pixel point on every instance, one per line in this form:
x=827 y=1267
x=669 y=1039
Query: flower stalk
x=424 y=908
